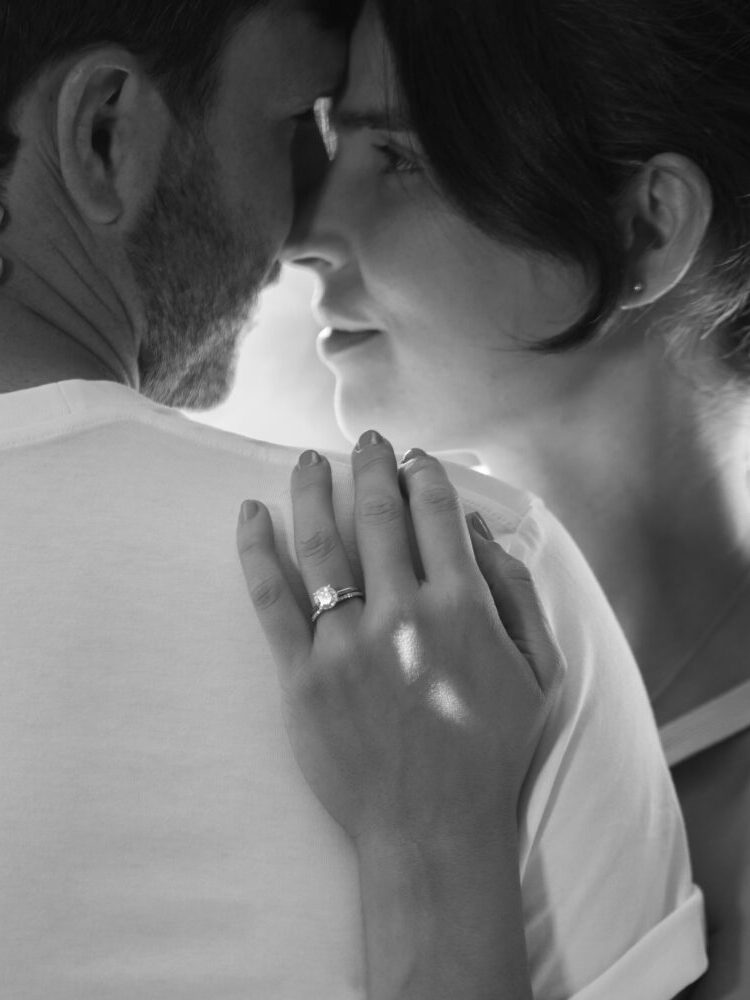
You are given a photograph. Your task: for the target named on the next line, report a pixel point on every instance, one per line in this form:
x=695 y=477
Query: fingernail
x=413 y=453
x=481 y=527
x=368 y=439
x=249 y=510
x=308 y=459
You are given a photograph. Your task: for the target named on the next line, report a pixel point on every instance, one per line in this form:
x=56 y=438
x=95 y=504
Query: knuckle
x=510 y=567
x=314 y=691
x=462 y=599
x=395 y=621
x=318 y=546
x=313 y=685
x=518 y=572
x=251 y=544
x=378 y=457
x=437 y=498
x=308 y=485
x=266 y=593
x=380 y=509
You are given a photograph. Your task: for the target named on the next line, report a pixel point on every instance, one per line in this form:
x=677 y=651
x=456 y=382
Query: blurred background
x=283 y=393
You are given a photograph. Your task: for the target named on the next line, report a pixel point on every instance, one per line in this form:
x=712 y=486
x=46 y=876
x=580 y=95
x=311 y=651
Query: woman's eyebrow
x=379 y=119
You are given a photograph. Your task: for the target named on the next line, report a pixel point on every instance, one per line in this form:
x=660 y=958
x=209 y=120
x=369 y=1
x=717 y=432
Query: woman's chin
x=354 y=419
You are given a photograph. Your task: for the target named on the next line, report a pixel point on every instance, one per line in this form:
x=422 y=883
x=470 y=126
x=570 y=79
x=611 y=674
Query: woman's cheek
x=404 y=263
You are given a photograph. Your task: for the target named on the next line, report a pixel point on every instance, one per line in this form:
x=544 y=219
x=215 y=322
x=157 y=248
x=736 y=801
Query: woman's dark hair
x=535 y=113
x=179 y=40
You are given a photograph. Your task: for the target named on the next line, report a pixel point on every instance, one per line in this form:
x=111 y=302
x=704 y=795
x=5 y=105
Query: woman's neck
x=649 y=475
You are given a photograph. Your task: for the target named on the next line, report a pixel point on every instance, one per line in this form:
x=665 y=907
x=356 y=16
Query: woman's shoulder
x=526 y=527
x=507 y=504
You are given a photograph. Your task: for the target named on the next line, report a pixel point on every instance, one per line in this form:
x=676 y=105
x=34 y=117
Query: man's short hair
x=179 y=41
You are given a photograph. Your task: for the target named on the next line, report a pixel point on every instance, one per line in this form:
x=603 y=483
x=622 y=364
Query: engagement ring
x=327 y=598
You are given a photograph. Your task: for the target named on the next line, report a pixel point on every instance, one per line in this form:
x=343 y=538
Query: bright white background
x=283 y=392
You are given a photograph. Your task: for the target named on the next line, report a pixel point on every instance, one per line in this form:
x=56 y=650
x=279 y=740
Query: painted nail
x=249 y=510
x=308 y=459
x=368 y=439
x=481 y=527
x=413 y=453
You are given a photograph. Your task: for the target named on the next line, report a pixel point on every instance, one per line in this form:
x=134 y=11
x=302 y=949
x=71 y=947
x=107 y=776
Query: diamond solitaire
x=326 y=598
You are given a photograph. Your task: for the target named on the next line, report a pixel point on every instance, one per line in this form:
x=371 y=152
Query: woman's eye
x=397 y=161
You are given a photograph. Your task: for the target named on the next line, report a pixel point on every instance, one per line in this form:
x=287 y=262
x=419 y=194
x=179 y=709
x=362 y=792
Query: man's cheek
x=278 y=204
x=310 y=161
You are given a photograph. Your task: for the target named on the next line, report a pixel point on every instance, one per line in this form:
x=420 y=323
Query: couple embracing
x=530 y=224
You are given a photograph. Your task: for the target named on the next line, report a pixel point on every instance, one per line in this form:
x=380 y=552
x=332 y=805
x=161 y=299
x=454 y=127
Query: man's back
x=156 y=836
x=152 y=812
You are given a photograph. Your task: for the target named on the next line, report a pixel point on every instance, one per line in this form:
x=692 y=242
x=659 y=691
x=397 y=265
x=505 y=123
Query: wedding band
x=327 y=598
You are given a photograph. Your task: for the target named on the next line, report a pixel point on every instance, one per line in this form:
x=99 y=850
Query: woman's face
x=429 y=320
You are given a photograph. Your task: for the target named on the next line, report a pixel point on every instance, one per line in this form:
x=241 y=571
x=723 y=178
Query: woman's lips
x=332 y=341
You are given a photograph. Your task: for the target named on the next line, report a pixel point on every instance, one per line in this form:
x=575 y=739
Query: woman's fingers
x=285 y=626
x=322 y=559
x=380 y=518
x=519 y=607
x=439 y=525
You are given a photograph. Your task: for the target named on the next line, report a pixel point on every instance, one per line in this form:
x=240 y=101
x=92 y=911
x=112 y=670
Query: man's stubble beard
x=198 y=275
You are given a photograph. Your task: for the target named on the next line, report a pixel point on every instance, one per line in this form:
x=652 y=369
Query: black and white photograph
x=374 y=500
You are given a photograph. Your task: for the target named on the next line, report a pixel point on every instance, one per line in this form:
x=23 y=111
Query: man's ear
x=664 y=216
x=111 y=123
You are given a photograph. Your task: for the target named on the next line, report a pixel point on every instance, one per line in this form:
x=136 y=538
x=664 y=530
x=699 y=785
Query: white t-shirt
x=157 y=840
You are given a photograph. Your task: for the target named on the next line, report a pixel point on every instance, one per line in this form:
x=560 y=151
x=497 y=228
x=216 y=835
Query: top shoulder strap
x=707 y=725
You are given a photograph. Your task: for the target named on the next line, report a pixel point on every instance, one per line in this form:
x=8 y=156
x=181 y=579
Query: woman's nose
x=316 y=238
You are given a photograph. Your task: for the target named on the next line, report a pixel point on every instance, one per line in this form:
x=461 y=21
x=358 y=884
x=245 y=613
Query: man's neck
x=39 y=357
x=651 y=481
x=46 y=336
x=64 y=310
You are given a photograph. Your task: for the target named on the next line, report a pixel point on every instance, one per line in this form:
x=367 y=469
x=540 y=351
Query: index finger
x=286 y=628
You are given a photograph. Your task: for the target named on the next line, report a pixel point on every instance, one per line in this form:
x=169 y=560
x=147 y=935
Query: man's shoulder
x=120 y=405
x=113 y=418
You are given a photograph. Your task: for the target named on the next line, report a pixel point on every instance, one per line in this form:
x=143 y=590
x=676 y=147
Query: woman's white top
x=715 y=721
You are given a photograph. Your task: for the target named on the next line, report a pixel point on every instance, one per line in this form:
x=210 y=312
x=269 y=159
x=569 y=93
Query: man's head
x=161 y=134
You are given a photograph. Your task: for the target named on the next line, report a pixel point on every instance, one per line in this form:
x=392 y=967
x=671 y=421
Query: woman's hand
x=417 y=710
x=414 y=714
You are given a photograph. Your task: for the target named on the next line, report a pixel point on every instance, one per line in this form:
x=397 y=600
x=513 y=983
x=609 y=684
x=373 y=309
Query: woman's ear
x=664 y=216
x=111 y=123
